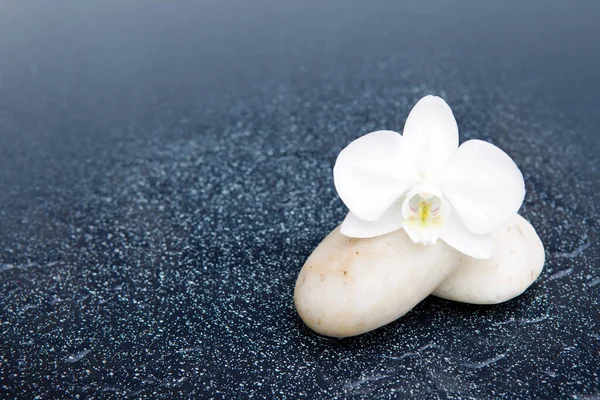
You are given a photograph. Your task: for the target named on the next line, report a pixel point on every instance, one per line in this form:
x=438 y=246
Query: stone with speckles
x=165 y=171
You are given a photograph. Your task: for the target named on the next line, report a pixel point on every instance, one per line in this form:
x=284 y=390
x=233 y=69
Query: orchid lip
x=424 y=213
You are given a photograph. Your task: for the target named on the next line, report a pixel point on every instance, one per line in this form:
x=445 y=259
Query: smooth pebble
x=351 y=286
x=517 y=261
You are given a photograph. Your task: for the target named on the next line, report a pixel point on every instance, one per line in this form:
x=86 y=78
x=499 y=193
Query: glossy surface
x=165 y=170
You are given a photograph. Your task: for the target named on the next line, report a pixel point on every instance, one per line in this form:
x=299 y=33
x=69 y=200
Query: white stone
x=517 y=261
x=352 y=286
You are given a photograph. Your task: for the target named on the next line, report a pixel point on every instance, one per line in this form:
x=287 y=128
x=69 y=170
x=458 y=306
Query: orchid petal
x=458 y=236
x=484 y=186
x=371 y=173
x=430 y=135
x=357 y=228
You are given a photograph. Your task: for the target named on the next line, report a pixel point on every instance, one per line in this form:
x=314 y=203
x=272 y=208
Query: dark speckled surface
x=165 y=169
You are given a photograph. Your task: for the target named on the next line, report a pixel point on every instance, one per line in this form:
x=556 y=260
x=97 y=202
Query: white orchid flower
x=427 y=185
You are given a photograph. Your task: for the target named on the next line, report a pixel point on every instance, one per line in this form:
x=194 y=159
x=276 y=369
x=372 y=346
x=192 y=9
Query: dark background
x=166 y=168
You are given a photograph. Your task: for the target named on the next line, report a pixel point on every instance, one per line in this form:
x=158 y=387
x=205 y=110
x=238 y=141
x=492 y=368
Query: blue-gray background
x=165 y=169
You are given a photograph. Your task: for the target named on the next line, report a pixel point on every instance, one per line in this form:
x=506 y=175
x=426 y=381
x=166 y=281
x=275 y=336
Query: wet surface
x=165 y=170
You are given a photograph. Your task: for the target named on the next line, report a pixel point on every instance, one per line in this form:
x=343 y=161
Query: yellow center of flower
x=424 y=208
x=424 y=215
